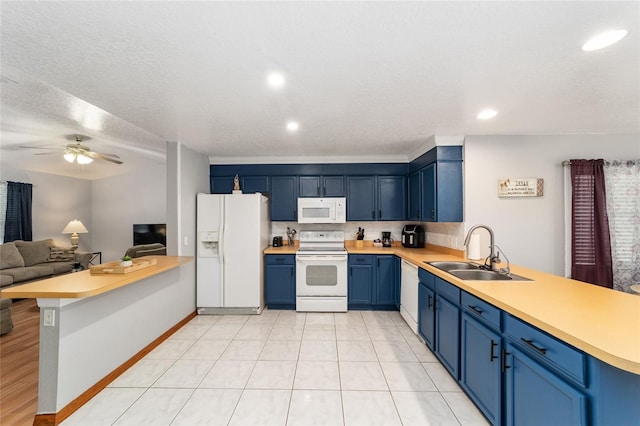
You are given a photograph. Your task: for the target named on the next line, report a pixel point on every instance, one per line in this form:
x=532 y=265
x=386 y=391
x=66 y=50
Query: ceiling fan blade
x=46 y=153
x=37 y=147
x=94 y=154
x=103 y=157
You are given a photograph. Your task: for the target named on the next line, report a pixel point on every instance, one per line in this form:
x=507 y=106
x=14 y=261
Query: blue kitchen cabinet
x=321 y=186
x=361 y=280
x=280 y=281
x=427 y=307
x=221 y=184
x=253 y=184
x=284 y=198
x=414 y=190
x=480 y=374
x=373 y=282
x=447 y=334
x=428 y=184
x=361 y=198
x=385 y=280
x=536 y=396
x=392 y=198
x=398 y=282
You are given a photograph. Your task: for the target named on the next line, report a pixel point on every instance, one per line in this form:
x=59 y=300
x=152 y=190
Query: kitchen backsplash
x=443 y=234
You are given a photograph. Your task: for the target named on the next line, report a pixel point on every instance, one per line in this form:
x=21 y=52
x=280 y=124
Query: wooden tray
x=115 y=268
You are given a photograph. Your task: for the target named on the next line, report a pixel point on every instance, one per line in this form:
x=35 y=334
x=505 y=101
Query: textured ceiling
x=365 y=80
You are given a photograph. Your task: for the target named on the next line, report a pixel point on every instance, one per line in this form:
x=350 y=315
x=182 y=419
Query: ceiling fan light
x=83 y=159
x=70 y=157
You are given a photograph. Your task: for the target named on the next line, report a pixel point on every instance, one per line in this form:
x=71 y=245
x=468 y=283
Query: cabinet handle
x=503 y=360
x=291 y=271
x=418 y=214
x=318 y=189
x=476 y=310
x=491 y=355
x=429 y=301
x=378 y=262
x=529 y=343
x=373 y=214
x=433 y=214
x=379 y=214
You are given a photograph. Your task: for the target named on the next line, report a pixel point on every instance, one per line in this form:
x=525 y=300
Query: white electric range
x=321 y=272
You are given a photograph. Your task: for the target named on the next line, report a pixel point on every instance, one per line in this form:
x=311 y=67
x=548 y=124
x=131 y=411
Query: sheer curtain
x=622 y=180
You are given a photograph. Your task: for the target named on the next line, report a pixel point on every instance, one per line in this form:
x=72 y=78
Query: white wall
x=120 y=201
x=530 y=230
x=56 y=201
x=187 y=174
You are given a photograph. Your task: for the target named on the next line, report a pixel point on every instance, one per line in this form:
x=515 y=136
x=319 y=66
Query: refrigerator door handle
x=221 y=248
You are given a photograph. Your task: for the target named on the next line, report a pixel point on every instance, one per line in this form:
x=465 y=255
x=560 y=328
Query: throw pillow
x=34 y=252
x=10 y=256
x=61 y=254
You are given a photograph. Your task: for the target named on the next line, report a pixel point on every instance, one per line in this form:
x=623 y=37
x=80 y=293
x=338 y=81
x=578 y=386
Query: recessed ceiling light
x=487 y=114
x=275 y=80
x=603 y=40
x=293 y=126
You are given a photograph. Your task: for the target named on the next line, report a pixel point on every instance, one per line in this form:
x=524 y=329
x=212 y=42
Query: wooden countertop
x=83 y=284
x=601 y=322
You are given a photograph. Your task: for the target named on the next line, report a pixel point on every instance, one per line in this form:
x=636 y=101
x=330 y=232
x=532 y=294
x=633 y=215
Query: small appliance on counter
x=277 y=242
x=413 y=236
x=387 y=241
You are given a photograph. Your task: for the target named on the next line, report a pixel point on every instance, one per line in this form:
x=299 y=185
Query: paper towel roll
x=473 y=250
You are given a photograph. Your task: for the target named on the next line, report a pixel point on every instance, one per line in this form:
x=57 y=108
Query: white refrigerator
x=232 y=230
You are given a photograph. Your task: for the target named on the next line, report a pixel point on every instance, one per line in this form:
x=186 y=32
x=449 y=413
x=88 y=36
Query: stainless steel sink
x=472 y=272
x=448 y=266
x=482 y=275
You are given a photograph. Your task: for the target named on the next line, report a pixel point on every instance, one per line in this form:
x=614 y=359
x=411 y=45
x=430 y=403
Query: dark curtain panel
x=17 y=225
x=590 y=245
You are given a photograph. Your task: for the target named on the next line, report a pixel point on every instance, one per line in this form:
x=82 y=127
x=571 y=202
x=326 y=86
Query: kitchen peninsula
x=94 y=327
x=586 y=338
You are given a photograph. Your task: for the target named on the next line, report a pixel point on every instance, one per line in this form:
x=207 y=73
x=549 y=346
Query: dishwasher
x=409 y=295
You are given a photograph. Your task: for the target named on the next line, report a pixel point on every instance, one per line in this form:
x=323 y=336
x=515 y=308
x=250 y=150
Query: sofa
x=23 y=261
x=154 y=249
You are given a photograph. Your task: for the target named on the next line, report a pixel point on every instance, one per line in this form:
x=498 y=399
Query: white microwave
x=322 y=210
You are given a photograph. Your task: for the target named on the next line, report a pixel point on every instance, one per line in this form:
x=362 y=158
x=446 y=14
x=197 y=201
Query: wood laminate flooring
x=19 y=365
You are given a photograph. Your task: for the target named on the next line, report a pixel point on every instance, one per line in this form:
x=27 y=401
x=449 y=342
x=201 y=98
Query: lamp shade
x=75 y=227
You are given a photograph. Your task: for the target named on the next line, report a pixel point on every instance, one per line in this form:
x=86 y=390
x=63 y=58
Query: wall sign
x=520 y=187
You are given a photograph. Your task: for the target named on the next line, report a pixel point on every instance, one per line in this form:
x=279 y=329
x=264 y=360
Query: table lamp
x=74 y=228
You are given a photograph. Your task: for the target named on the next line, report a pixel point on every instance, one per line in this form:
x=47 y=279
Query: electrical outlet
x=49 y=318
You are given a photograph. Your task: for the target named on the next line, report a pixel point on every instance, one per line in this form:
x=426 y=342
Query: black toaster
x=413 y=236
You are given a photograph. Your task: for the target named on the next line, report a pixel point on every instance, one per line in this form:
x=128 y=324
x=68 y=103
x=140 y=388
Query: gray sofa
x=23 y=261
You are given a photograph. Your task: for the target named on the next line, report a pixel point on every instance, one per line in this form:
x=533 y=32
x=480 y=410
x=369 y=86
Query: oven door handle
x=320 y=257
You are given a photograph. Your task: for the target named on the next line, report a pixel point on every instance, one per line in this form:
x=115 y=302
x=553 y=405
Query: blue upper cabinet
x=392 y=198
x=376 y=198
x=284 y=198
x=253 y=184
x=321 y=186
x=221 y=184
x=438 y=188
x=361 y=198
x=414 y=190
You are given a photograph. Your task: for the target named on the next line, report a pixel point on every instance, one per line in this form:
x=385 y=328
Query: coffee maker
x=387 y=241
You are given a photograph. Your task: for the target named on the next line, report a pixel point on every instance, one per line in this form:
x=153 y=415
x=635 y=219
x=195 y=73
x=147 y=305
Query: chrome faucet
x=492 y=255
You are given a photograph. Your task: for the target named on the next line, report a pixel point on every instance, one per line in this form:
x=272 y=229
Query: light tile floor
x=285 y=368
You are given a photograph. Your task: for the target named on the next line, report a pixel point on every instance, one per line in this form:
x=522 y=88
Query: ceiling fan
x=78 y=153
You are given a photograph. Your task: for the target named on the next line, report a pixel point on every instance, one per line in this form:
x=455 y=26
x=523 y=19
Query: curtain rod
x=609 y=163
x=7 y=181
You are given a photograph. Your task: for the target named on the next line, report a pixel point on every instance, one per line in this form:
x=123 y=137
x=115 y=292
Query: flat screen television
x=148 y=233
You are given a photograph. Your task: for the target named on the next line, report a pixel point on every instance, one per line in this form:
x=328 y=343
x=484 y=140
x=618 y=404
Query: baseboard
x=57 y=418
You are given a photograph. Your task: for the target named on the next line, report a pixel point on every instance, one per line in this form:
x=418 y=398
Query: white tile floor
x=285 y=368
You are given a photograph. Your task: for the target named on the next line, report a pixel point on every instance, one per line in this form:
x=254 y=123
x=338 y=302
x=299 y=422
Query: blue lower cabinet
x=536 y=396
x=373 y=282
x=280 y=281
x=448 y=335
x=426 y=314
x=386 y=281
x=480 y=367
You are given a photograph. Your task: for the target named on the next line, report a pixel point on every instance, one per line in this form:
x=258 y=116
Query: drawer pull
x=529 y=343
x=491 y=355
x=476 y=310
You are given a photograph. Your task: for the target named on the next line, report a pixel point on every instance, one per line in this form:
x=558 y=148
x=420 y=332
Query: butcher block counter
x=601 y=322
